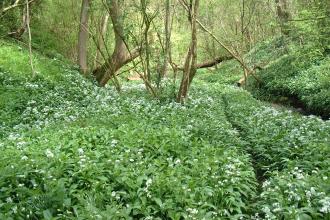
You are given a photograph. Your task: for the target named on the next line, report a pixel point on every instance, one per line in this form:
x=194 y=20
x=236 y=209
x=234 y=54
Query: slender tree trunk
x=242 y=23
x=147 y=23
x=83 y=37
x=191 y=58
x=30 y=38
x=100 y=40
x=167 y=39
x=235 y=56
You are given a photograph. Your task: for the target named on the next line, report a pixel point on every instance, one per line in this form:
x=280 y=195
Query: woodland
x=165 y=109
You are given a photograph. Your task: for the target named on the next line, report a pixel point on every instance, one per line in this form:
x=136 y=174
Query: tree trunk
x=147 y=23
x=101 y=41
x=83 y=37
x=30 y=38
x=121 y=55
x=283 y=15
x=167 y=39
x=190 y=64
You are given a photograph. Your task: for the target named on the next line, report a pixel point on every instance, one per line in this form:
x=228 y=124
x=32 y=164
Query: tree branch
x=210 y=63
x=16 y=4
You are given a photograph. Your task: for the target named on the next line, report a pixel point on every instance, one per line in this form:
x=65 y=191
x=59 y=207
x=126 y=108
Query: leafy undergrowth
x=72 y=150
x=140 y=159
x=292 y=76
x=228 y=73
x=292 y=151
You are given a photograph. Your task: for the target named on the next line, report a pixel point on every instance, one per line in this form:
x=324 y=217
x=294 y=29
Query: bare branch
x=16 y=4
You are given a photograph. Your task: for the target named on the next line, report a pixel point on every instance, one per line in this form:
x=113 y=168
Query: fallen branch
x=247 y=70
x=210 y=63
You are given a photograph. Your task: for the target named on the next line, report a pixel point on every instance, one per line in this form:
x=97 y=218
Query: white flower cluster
x=192 y=212
x=49 y=153
x=325 y=202
x=146 y=188
x=115 y=195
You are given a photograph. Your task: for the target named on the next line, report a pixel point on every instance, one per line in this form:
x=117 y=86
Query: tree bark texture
x=167 y=39
x=190 y=64
x=83 y=37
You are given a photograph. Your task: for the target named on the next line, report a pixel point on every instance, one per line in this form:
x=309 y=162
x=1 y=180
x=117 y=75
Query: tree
x=30 y=37
x=121 y=54
x=167 y=38
x=101 y=40
x=83 y=37
x=283 y=15
x=190 y=64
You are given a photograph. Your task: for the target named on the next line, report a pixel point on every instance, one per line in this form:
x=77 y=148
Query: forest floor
x=72 y=150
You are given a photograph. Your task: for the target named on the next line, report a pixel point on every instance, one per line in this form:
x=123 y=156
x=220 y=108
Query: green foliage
x=226 y=73
x=296 y=67
x=291 y=152
x=54 y=29
x=308 y=83
x=71 y=149
x=290 y=78
x=312 y=87
x=311 y=29
x=9 y=22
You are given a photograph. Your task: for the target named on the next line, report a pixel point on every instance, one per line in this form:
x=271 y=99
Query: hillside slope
x=292 y=77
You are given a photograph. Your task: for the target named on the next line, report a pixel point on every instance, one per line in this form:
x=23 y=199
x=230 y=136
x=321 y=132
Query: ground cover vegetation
x=127 y=124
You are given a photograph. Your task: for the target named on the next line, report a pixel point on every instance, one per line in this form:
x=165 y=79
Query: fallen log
x=210 y=63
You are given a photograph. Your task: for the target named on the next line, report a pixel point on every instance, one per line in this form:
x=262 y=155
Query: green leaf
x=47 y=214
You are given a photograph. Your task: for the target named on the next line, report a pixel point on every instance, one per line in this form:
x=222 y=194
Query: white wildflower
x=80 y=151
x=178 y=161
x=114 y=142
x=325 y=205
x=49 y=153
x=192 y=211
x=149 y=182
x=9 y=200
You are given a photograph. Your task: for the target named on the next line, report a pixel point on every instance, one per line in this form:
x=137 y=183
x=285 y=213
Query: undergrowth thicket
x=72 y=150
x=292 y=75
